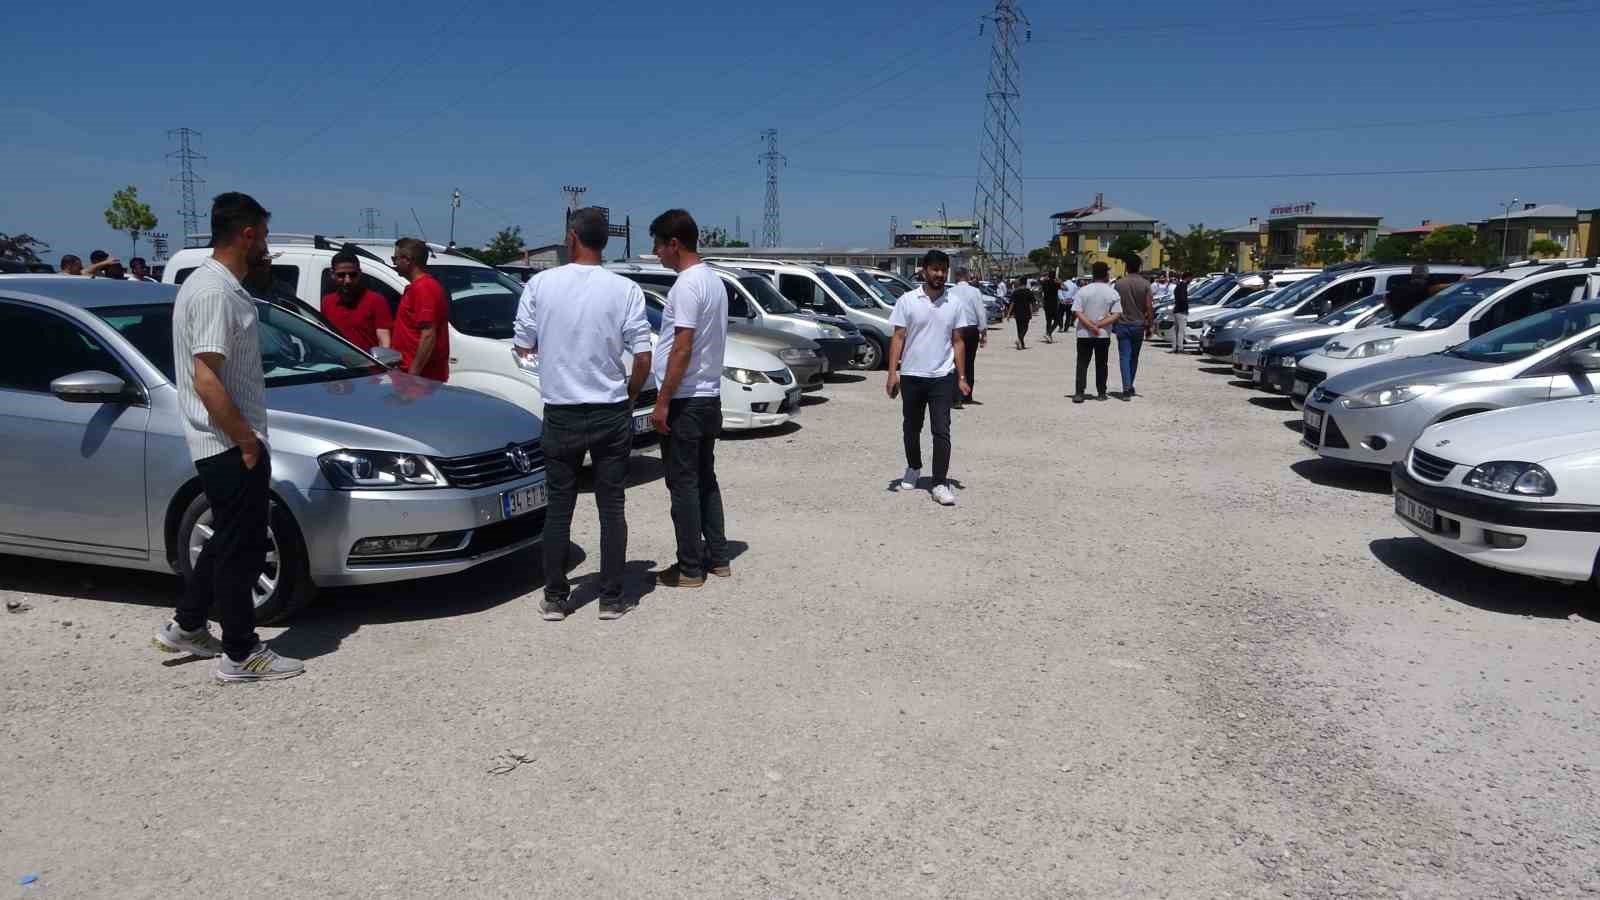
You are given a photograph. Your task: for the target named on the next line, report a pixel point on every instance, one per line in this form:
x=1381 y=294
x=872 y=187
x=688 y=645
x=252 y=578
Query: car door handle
x=454 y=360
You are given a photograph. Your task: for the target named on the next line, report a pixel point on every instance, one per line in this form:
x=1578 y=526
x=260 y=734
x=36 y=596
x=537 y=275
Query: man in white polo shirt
x=580 y=319
x=927 y=367
x=688 y=414
x=975 y=333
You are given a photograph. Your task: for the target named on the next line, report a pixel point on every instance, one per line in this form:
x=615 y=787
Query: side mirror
x=1584 y=361
x=90 y=387
x=388 y=356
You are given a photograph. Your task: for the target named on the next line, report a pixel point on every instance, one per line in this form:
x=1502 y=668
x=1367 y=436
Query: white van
x=813 y=287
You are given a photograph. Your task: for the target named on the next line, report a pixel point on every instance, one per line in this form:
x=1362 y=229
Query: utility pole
x=455 y=204
x=158 y=245
x=738 y=229
x=574 y=194
x=771 y=224
x=1505 y=228
x=187 y=181
x=369 y=222
x=997 y=203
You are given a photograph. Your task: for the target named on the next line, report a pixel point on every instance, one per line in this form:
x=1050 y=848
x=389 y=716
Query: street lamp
x=1505 y=228
x=455 y=204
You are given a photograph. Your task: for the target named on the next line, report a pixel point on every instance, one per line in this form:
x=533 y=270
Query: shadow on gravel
x=1480 y=586
x=924 y=484
x=1280 y=404
x=843 y=378
x=812 y=399
x=48 y=578
x=1216 y=370
x=1338 y=475
x=1295 y=425
x=783 y=430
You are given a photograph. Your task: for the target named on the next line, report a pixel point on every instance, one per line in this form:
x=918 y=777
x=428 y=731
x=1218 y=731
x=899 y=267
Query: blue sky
x=322 y=109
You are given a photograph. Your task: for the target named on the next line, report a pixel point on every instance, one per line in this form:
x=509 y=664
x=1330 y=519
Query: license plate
x=1415 y=512
x=1313 y=422
x=1301 y=388
x=791 y=403
x=642 y=424
x=523 y=500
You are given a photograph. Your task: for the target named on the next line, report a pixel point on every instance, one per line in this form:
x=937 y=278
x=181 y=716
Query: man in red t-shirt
x=422 y=326
x=359 y=315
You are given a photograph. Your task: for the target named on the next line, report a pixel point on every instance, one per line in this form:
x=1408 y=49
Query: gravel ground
x=1156 y=651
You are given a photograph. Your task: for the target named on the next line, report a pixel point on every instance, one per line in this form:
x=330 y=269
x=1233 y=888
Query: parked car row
x=1481 y=401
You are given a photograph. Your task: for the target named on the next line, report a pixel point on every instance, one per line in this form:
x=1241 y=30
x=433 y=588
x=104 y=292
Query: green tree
x=1200 y=250
x=126 y=213
x=1327 y=250
x=504 y=247
x=23 y=246
x=1047 y=258
x=1452 y=244
x=1544 y=248
x=1131 y=244
x=1393 y=249
x=717 y=236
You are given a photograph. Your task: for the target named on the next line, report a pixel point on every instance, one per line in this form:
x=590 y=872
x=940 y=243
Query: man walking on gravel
x=1095 y=308
x=927 y=339
x=222 y=394
x=1180 y=313
x=688 y=413
x=1134 y=324
x=973 y=335
x=1050 y=299
x=1021 y=309
x=579 y=319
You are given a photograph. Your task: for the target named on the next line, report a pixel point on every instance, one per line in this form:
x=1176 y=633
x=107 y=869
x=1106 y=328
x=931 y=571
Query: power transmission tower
x=187 y=181
x=574 y=194
x=369 y=222
x=771 y=223
x=997 y=204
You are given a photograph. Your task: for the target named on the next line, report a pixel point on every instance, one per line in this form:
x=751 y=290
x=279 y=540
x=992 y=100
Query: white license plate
x=1301 y=388
x=1413 y=511
x=523 y=500
x=1313 y=424
x=642 y=424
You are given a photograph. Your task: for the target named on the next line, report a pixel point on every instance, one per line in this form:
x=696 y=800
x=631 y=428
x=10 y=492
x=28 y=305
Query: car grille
x=1430 y=467
x=647 y=398
x=492 y=467
x=1247 y=345
x=781 y=376
x=1332 y=437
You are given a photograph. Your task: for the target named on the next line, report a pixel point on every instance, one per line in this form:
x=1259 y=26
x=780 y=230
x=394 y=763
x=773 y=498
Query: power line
x=1447 y=15
x=1464 y=170
x=997 y=199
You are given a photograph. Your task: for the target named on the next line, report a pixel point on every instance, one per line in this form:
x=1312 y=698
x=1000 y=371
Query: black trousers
x=1099 y=348
x=605 y=432
x=1022 y=327
x=1052 y=318
x=969 y=339
x=689 y=452
x=225 y=573
x=931 y=398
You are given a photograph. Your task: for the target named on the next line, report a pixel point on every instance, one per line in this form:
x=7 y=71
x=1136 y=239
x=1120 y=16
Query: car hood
x=1206 y=313
x=1536 y=433
x=769 y=339
x=1429 y=369
x=1267 y=331
x=739 y=355
x=398 y=412
x=1238 y=316
x=1364 y=335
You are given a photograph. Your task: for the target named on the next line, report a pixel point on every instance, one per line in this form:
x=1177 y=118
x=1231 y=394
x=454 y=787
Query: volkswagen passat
x=376 y=475
x=1516 y=490
x=1372 y=415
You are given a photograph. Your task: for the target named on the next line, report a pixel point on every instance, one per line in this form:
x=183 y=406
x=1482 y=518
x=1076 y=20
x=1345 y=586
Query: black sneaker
x=1125 y=396
x=553 y=609
x=1077 y=398
x=1101 y=396
x=614 y=608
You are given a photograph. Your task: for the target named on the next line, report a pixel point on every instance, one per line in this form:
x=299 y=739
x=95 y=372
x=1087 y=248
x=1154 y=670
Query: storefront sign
x=1292 y=209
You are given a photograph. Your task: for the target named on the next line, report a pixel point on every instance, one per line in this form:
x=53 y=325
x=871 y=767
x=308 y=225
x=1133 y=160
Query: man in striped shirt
x=216 y=348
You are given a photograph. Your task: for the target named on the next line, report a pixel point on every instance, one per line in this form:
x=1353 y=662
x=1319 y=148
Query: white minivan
x=1456 y=314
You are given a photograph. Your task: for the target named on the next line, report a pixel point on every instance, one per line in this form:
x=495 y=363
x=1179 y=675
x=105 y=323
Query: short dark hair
x=1132 y=262
x=137 y=261
x=232 y=213
x=1101 y=270
x=347 y=254
x=935 y=258
x=412 y=249
x=676 y=223
x=961 y=272
x=98 y=256
x=591 y=227
x=70 y=259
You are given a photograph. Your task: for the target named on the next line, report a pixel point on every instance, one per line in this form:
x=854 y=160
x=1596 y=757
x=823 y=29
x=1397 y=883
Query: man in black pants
x=973 y=335
x=688 y=414
x=927 y=338
x=1050 y=298
x=1095 y=308
x=579 y=319
x=1021 y=309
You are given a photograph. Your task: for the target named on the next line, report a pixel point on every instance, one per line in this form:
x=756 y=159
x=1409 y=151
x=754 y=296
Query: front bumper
x=840 y=352
x=760 y=406
x=473 y=520
x=1217 y=345
x=1380 y=436
x=1562 y=540
x=809 y=374
x=1276 y=379
x=1306 y=380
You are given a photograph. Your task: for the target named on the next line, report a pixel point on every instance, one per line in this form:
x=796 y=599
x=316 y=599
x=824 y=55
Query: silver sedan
x=1371 y=416
x=377 y=476
x=1261 y=339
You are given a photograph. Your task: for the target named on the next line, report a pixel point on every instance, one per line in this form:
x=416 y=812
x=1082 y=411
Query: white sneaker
x=908 y=481
x=261 y=665
x=944 y=494
x=201 y=642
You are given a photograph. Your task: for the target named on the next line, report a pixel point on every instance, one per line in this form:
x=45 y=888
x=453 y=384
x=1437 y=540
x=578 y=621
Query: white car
x=1460 y=312
x=1516 y=490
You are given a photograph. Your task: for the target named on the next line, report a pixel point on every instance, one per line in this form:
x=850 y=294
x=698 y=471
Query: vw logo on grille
x=521 y=459
x=1442 y=443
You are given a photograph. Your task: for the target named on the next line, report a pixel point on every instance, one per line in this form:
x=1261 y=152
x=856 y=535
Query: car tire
x=288 y=568
x=873 y=356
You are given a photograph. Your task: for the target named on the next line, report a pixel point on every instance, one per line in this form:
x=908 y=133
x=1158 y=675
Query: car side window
x=737 y=307
x=368 y=281
x=798 y=288
x=37 y=347
x=1535 y=298
x=183 y=275
x=286 y=279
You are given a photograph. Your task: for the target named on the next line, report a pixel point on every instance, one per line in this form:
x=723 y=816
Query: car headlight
x=797 y=354
x=830 y=331
x=744 y=376
x=1373 y=348
x=1389 y=396
x=1504 y=477
x=351 y=470
x=1287 y=362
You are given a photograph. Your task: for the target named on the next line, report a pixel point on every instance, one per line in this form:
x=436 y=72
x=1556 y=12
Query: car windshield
x=1450 y=304
x=293 y=350
x=1210 y=290
x=1300 y=290
x=483 y=301
x=842 y=291
x=876 y=289
x=892 y=285
x=1243 y=300
x=1512 y=342
x=1351 y=311
x=767 y=296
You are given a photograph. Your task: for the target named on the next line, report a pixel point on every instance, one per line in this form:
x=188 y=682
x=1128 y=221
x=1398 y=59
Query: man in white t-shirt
x=688 y=414
x=927 y=365
x=1096 y=307
x=580 y=319
x=974 y=335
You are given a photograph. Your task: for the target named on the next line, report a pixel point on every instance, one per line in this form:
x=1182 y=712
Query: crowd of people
x=104 y=265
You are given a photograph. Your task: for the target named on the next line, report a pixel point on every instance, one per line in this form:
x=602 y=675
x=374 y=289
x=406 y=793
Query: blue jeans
x=1130 y=338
